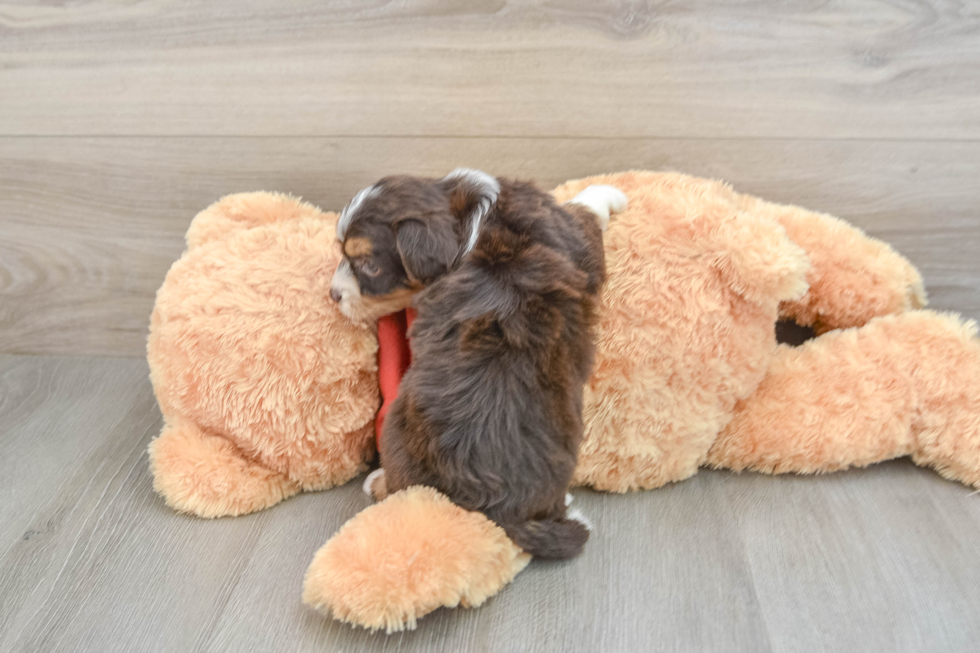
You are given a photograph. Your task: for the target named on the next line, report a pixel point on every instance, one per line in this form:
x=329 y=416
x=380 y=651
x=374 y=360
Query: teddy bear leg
x=830 y=404
x=944 y=356
x=206 y=475
x=400 y=559
x=902 y=385
x=853 y=277
x=953 y=450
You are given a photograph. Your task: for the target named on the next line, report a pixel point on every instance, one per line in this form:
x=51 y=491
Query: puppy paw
x=375 y=486
x=603 y=201
x=576 y=515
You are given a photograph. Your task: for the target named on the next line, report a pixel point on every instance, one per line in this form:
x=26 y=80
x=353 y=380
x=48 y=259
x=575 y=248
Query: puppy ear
x=427 y=250
x=472 y=194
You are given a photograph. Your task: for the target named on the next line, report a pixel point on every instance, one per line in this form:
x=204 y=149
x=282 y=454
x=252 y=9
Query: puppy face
x=401 y=234
x=370 y=280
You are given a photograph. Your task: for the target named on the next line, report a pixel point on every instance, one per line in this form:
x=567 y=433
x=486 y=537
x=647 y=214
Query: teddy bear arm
x=206 y=475
x=852 y=277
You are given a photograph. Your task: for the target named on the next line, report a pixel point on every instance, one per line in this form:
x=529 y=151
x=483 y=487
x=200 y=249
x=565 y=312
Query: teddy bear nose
x=335 y=295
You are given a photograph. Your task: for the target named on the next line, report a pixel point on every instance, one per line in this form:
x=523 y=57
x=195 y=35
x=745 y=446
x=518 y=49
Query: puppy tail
x=551 y=539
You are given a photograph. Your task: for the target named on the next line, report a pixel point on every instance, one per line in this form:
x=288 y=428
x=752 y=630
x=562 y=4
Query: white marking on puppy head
x=576 y=515
x=601 y=200
x=344 y=284
x=487 y=188
x=568 y=499
x=343 y=224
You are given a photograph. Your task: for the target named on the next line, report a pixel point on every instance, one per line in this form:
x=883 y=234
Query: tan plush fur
x=693 y=291
x=265 y=388
x=852 y=278
x=698 y=275
x=268 y=391
x=903 y=385
x=406 y=556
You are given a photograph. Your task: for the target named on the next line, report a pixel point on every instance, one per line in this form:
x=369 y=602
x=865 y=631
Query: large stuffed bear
x=267 y=390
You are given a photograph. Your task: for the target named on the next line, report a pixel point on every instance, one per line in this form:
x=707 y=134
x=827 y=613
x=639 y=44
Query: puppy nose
x=335 y=295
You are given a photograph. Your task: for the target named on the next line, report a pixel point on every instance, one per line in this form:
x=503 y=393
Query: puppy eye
x=370 y=268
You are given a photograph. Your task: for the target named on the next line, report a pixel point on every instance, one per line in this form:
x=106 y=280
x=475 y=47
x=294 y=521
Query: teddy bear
x=267 y=391
x=265 y=388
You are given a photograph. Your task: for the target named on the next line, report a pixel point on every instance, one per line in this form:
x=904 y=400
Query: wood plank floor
x=882 y=559
x=119 y=120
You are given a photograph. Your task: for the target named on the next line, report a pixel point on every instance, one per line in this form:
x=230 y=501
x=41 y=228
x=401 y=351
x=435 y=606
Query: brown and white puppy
x=506 y=287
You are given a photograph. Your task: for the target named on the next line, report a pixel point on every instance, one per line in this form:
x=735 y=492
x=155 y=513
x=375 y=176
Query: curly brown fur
x=490 y=412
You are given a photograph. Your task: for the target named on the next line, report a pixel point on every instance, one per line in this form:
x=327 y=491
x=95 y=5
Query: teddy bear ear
x=234 y=213
x=760 y=261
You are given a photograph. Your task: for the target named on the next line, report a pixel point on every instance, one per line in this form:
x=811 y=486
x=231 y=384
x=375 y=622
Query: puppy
x=506 y=287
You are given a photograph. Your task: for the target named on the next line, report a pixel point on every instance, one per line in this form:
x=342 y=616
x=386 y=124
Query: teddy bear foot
x=400 y=559
x=206 y=475
x=902 y=385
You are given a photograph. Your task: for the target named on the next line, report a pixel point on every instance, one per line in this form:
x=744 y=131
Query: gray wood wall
x=120 y=120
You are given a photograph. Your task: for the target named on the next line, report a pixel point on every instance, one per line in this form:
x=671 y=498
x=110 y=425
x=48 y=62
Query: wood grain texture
x=89 y=226
x=702 y=69
x=882 y=559
x=121 y=119
x=878 y=560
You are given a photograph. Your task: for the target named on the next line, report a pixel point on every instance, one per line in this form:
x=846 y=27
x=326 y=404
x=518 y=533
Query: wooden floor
x=120 y=120
x=883 y=559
